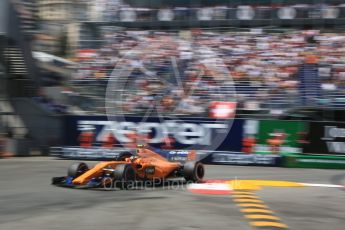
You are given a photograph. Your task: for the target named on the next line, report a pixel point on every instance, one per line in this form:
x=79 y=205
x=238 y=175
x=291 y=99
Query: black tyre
x=193 y=171
x=124 y=176
x=76 y=169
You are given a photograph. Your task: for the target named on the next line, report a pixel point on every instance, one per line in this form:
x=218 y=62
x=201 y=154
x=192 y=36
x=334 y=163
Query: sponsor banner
x=183 y=133
x=242 y=159
x=180 y=156
x=326 y=138
x=273 y=136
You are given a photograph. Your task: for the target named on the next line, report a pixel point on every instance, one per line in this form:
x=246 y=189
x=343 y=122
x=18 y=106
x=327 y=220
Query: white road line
x=324 y=185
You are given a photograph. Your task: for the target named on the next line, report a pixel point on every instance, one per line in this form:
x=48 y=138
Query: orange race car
x=145 y=165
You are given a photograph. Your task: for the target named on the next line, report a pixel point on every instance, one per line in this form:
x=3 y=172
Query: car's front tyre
x=77 y=169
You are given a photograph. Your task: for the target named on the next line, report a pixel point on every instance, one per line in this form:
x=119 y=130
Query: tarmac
x=29 y=201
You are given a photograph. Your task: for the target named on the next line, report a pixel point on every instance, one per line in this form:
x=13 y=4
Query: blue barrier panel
x=184 y=133
x=226 y=158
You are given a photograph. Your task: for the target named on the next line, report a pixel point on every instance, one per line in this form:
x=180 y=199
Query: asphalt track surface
x=28 y=201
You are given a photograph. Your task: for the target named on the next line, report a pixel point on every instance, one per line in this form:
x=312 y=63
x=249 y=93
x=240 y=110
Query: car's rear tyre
x=77 y=169
x=193 y=171
x=124 y=176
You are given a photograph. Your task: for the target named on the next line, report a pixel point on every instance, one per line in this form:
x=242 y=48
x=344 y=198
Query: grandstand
x=269 y=69
x=279 y=55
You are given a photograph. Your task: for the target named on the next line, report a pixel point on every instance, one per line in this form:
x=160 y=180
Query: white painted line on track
x=324 y=185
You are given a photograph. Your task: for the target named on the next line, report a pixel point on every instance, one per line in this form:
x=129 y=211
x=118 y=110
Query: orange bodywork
x=145 y=158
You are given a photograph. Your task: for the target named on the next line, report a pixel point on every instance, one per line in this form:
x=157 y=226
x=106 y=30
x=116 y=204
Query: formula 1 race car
x=144 y=165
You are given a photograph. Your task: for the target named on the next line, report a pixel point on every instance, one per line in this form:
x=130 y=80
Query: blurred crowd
x=160 y=71
x=184 y=71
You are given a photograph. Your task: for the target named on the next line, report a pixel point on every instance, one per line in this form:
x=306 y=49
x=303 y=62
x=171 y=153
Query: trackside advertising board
x=275 y=136
x=183 y=133
x=226 y=158
x=326 y=138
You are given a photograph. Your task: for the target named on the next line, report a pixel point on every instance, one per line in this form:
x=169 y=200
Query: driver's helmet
x=133 y=158
x=141 y=146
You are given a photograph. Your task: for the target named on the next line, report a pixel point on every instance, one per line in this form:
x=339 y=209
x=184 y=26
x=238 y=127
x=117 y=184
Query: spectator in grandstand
x=264 y=66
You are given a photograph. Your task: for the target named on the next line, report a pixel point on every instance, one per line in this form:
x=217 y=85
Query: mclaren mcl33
x=144 y=165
